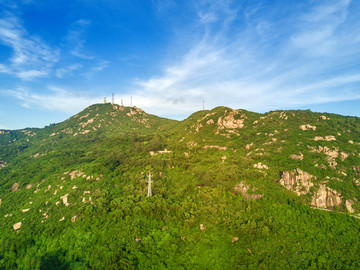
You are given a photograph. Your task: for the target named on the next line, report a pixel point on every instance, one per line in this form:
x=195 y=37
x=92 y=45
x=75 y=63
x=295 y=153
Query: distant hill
x=232 y=189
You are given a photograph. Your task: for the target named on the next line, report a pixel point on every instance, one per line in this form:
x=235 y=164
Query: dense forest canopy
x=231 y=189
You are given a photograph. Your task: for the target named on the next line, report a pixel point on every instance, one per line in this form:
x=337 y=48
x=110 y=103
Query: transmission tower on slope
x=149 y=194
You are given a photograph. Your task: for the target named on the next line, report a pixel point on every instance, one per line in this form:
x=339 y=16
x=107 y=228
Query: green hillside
x=232 y=189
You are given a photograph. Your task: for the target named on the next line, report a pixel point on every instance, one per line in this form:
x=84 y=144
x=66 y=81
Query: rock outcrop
x=328 y=138
x=326 y=197
x=15 y=187
x=230 y=122
x=17 y=226
x=332 y=154
x=297 y=157
x=260 y=166
x=243 y=189
x=65 y=199
x=349 y=204
x=2 y=164
x=298 y=181
x=306 y=127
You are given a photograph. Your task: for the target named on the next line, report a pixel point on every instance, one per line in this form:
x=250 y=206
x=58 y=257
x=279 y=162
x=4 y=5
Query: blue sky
x=58 y=57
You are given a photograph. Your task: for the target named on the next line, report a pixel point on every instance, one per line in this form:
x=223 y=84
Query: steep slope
x=231 y=189
x=314 y=155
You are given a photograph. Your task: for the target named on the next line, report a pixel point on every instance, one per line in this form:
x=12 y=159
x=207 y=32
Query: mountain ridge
x=221 y=176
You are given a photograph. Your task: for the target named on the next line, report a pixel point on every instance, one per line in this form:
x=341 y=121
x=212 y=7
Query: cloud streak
x=261 y=66
x=31 y=58
x=53 y=99
x=77 y=41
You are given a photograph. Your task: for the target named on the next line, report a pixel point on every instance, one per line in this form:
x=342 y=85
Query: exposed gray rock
x=230 y=122
x=65 y=199
x=349 y=204
x=306 y=127
x=326 y=197
x=260 y=166
x=243 y=189
x=15 y=187
x=298 y=181
x=2 y=164
x=297 y=157
x=17 y=226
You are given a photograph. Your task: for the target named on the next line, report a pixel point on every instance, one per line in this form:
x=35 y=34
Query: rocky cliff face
x=326 y=197
x=298 y=181
x=228 y=121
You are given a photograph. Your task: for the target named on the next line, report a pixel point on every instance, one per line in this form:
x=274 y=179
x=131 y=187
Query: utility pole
x=149 y=186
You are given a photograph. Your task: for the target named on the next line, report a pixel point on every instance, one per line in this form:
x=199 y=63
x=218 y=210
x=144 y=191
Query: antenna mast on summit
x=130 y=101
x=112 y=99
x=203 y=104
x=149 y=186
x=122 y=103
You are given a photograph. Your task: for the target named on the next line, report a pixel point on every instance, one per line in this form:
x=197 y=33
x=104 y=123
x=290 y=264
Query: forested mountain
x=231 y=189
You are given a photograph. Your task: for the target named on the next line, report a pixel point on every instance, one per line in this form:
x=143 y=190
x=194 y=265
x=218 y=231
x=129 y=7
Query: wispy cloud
x=77 y=40
x=61 y=72
x=320 y=29
x=52 y=99
x=266 y=64
x=31 y=57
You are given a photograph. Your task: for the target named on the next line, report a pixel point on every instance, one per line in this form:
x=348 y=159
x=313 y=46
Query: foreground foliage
x=196 y=219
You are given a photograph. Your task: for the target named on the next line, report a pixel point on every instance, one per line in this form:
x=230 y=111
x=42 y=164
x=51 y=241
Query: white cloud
x=61 y=72
x=57 y=99
x=31 y=57
x=320 y=28
x=77 y=40
x=208 y=17
x=249 y=68
x=96 y=68
x=31 y=74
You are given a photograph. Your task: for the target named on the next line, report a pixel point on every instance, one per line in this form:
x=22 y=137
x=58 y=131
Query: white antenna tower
x=203 y=104
x=122 y=103
x=112 y=98
x=149 y=186
x=130 y=101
